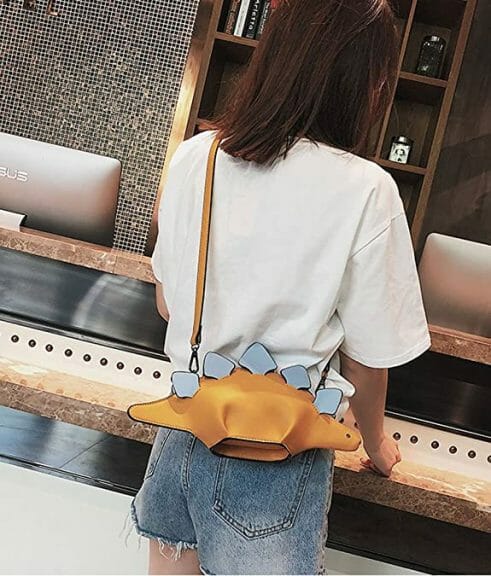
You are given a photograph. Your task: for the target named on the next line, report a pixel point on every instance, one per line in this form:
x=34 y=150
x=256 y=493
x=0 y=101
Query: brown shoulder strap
x=203 y=250
x=203 y=261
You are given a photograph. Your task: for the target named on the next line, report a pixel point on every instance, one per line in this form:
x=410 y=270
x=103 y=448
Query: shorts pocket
x=261 y=498
x=157 y=449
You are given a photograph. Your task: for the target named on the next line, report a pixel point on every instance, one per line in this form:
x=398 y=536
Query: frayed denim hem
x=177 y=546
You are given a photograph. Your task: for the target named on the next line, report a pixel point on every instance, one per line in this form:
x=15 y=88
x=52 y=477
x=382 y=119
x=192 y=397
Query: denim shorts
x=242 y=516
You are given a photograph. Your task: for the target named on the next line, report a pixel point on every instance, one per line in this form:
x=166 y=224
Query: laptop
x=60 y=190
x=455 y=277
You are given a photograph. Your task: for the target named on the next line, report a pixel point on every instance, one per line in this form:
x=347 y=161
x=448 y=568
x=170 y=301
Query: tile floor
x=51 y=525
x=69 y=519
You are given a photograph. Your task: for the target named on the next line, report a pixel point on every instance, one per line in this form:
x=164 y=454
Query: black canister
x=431 y=56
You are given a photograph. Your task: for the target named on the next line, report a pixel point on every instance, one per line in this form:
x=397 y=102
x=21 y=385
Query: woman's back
x=305 y=254
x=309 y=253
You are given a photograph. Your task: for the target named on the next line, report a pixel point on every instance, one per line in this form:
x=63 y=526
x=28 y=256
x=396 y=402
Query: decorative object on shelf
x=431 y=56
x=400 y=149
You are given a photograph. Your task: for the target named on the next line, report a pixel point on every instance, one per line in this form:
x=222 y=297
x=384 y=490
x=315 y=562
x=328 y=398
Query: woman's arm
x=368 y=406
x=368 y=403
x=160 y=299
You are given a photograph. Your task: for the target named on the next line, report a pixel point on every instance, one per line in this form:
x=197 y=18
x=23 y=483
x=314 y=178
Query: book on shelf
x=233 y=12
x=242 y=15
x=247 y=18
x=253 y=18
x=263 y=18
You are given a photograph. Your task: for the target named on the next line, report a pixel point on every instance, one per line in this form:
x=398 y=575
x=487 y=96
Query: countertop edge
x=80 y=253
x=139 y=267
x=359 y=485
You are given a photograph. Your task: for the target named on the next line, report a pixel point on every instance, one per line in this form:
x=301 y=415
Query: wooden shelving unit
x=419 y=106
x=419 y=109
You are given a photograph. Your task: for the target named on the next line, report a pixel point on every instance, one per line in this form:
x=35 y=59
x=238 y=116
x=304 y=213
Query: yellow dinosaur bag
x=249 y=411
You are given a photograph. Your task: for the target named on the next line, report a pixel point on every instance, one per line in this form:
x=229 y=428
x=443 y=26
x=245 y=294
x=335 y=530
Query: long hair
x=323 y=70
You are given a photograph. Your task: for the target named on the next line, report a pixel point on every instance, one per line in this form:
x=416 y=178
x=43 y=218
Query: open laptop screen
x=60 y=190
x=456 y=284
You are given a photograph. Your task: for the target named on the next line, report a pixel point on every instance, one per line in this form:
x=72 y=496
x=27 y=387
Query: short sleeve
x=380 y=304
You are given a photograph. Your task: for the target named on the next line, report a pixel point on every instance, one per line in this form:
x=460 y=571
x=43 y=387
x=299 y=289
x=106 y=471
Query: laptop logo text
x=12 y=174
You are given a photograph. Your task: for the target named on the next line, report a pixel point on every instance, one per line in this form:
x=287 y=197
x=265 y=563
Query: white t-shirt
x=306 y=257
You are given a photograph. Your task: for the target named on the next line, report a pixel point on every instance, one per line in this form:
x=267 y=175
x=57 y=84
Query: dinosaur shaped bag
x=250 y=410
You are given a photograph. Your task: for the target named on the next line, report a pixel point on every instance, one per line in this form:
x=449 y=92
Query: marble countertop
x=428 y=492
x=444 y=341
x=77 y=252
x=460 y=344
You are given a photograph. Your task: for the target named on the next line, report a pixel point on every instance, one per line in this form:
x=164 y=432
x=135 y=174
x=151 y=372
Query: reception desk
x=94 y=394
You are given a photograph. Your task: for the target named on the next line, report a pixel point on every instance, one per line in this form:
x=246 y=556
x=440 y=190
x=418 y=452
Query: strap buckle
x=194 y=361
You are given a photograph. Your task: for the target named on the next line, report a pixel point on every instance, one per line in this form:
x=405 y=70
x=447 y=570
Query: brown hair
x=323 y=70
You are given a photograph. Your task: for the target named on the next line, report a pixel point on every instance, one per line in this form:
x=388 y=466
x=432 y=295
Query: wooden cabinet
x=419 y=106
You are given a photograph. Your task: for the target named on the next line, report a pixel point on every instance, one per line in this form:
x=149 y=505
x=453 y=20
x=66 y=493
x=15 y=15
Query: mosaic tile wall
x=101 y=76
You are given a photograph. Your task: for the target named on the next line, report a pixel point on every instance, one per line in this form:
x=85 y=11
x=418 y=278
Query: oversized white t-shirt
x=306 y=257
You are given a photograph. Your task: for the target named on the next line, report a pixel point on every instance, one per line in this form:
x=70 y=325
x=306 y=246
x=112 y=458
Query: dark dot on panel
x=471 y=454
x=68 y=352
x=103 y=361
x=15 y=338
x=341 y=421
x=356 y=424
x=32 y=343
x=348 y=435
x=138 y=370
x=119 y=365
x=49 y=348
x=87 y=357
x=452 y=449
x=489 y=458
x=396 y=436
x=413 y=439
x=435 y=444
x=156 y=374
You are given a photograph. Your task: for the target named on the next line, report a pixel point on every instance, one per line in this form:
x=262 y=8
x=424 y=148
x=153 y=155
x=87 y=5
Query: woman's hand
x=382 y=457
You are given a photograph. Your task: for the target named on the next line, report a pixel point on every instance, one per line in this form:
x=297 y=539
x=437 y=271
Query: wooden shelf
x=445 y=13
x=404 y=170
x=236 y=48
x=437 y=82
x=420 y=88
x=236 y=39
x=460 y=344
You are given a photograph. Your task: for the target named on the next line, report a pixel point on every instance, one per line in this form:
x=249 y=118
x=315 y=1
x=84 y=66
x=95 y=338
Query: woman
x=310 y=254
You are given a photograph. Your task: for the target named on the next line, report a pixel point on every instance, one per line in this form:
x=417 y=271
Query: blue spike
x=185 y=384
x=217 y=366
x=257 y=360
x=297 y=376
x=327 y=400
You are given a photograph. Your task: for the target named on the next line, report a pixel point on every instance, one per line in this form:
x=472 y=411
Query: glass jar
x=400 y=149
x=431 y=56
